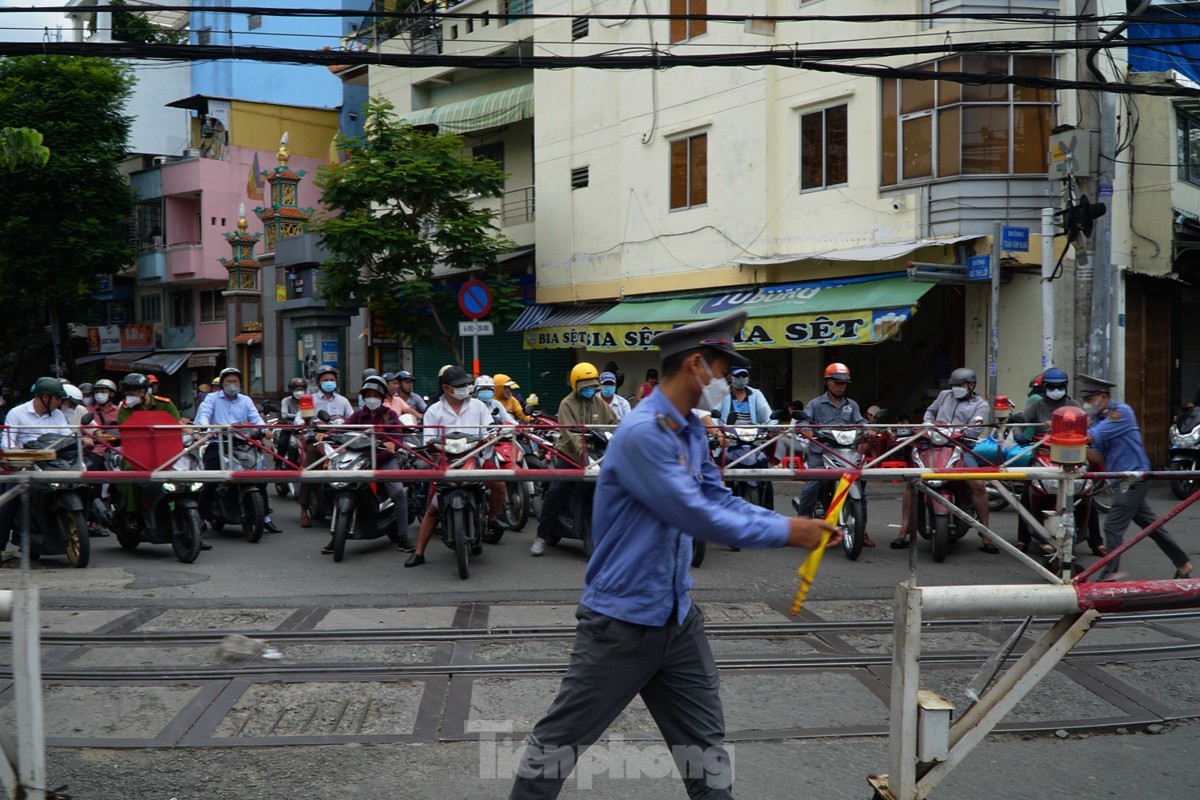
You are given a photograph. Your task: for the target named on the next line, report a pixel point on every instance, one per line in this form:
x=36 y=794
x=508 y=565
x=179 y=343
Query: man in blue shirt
x=226 y=407
x=1115 y=434
x=638 y=631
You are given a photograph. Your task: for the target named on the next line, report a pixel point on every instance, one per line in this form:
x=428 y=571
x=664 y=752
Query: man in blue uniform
x=638 y=631
x=1115 y=433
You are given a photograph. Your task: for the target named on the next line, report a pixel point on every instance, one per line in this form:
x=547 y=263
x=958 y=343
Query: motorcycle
x=290 y=454
x=518 y=500
x=1043 y=499
x=841 y=451
x=463 y=505
x=575 y=522
x=1185 y=452
x=57 y=521
x=938 y=452
x=362 y=510
x=168 y=513
x=241 y=503
x=742 y=442
x=411 y=458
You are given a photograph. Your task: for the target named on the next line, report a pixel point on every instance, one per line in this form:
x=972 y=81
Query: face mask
x=328 y=386
x=713 y=392
x=959 y=392
x=298 y=394
x=101 y=398
x=231 y=391
x=485 y=395
x=608 y=391
x=461 y=392
x=87 y=399
x=1056 y=394
x=1091 y=409
x=741 y=382
x=373 y=403
x=132 y=400
x=587 y=392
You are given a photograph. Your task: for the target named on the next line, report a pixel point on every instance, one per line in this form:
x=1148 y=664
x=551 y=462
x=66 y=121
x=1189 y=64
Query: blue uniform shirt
x=657 y=489
x=1116 y=435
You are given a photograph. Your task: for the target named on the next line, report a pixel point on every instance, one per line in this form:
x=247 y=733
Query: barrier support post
x=27 y=686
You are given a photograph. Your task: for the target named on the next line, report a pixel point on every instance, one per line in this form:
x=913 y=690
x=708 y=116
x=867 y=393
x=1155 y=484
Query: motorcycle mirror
x=87 y=419
x=780 y=415
x=269 y=407
x=323 y=415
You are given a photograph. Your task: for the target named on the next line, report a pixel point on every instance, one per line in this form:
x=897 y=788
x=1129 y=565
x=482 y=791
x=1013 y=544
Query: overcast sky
x=37 y=20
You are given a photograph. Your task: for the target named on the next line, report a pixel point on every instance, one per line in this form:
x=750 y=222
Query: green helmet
x=49 y=386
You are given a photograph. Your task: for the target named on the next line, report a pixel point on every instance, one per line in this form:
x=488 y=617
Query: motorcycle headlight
x=457 y=446
x=170 y=487
x=935 y=484
x=338 y=485
x=54 y=486
x=746 y=435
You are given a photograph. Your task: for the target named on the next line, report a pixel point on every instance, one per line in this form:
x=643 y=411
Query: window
x=453 y=31
x=181 y=309
x=492 y=150
x=1187 y=146
x=689 y=171
x=212 y=306
x=684 y=29
x=823 y=150
x=579 y=177
x=204 y=36
x=152 y=308
x=579 y=27
x=937 y=129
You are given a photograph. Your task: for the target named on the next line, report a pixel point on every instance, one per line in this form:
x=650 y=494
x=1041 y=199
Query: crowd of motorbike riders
x=463 y=426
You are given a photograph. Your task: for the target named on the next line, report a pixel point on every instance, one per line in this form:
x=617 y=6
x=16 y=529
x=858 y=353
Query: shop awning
x=486 y=111
x=248 y=338
x=870 y=252
x=123 y=362
x=553 y=327
x=166 y=363
x=862 y=310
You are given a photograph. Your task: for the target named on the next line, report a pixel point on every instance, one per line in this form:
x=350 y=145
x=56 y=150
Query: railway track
x=169 y=688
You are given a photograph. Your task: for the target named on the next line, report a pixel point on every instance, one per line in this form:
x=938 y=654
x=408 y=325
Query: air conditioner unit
x=158 y=161
x=191 y=152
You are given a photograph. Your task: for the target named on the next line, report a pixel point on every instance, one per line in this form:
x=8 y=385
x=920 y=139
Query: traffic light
x=1080 y=218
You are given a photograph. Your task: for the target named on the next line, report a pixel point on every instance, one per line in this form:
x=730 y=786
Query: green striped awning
x=486 y=111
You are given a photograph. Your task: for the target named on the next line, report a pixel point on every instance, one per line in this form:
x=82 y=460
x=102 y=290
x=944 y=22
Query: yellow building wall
x=259 y=126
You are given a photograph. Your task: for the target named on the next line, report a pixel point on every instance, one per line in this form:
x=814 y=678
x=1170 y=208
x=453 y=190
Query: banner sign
x=137 y=337
x=813 y=330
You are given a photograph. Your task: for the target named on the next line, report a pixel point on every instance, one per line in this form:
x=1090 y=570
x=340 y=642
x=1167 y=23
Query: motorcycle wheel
x=254 y=509
x=995 y=501
x=1102 y=497
x=941 y=537
x=853 y=526
x=342 y=523
x=185 y=538
x=283 y=489
x=515 y=513
x=72 y=525
x=128 y=541
x=699 y=547
x=457 y=520
x=1182 y=488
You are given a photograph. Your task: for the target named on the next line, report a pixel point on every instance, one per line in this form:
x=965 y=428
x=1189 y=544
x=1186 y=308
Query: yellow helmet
x=583 y=371
x=501 y=379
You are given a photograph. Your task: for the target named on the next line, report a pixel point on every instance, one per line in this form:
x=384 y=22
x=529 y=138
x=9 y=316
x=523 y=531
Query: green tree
x=128 y=26
x=63 y=225
x=406 y=216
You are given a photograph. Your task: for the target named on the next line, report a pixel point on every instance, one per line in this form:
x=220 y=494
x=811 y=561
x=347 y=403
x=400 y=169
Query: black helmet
x=369 y=372
x=86 y=388
x=297 y=383
x=374 y=383
x=962 y=376
x=134 y=381
x=49 y=386
x=326 y=370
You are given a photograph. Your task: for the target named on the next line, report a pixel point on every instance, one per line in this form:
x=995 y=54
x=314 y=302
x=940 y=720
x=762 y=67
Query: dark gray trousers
x=1130 y=505
x=671 y=667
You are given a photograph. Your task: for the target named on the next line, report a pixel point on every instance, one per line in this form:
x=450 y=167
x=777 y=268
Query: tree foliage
x=129 y=26
x=405 y=216
x=62 y=225
x=22 y=147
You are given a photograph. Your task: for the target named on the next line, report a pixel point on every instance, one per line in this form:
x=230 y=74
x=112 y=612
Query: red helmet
x=837 y=372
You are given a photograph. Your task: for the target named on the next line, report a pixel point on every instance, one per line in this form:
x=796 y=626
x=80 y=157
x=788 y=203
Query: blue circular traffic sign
x=475 y=299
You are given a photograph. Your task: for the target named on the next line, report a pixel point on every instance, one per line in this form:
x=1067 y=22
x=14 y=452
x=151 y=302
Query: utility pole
x=1088 y=122
x=1100 y=327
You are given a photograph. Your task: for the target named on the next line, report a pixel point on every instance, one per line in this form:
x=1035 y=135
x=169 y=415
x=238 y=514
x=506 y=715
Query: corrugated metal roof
x=554 y=316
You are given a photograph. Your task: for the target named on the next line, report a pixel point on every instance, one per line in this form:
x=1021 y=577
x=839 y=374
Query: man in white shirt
x=608 y=392
x=459 y=412
x=337 y=407
x=26 y=422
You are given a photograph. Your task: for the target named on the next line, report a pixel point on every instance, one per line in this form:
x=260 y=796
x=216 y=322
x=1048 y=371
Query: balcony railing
x=517 y=206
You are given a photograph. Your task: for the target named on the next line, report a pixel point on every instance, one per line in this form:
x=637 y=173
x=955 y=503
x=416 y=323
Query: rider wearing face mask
x=583 y=406
x=457 y=411
x=485 y=392
x=608 y=393
x=336 y=406
x=136 y=396
x=743 y=405
x=966 y=412
x=387 y=425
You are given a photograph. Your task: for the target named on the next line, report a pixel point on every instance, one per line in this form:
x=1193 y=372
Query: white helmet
x=484 y=382
x=73 y=394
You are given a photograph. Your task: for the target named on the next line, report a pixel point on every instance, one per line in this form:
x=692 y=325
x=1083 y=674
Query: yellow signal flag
x=808 y=570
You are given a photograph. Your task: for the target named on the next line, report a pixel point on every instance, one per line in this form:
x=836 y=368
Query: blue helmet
x=1054 y=375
